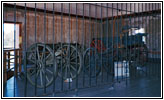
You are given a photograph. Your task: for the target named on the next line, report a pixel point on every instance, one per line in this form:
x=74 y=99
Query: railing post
x=20 y=60
x=16 y=63
x=8 y=60
x=4 y=69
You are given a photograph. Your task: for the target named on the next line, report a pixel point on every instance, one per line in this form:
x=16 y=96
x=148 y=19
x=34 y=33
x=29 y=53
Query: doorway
x=11 y=44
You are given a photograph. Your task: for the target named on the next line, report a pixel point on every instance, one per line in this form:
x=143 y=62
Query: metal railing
x=70 y=46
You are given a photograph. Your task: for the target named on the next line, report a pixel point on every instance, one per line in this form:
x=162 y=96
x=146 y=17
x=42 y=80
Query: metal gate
x=66 y=47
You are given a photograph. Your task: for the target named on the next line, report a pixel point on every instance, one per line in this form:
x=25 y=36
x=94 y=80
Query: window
x=9 y=35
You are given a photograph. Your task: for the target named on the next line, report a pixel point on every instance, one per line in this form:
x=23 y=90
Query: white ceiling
x=127 y=8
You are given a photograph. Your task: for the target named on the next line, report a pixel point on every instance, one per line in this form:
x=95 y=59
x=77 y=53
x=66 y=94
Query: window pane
x=9 y=36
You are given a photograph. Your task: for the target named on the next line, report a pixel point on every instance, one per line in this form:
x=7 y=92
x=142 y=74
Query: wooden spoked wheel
x=69 y=61
x=41 y=66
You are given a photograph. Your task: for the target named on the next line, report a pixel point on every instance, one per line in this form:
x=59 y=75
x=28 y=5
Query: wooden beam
x=139 y=14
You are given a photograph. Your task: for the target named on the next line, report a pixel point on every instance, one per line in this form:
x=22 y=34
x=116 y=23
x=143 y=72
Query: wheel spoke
x=38 y=53
x=41 y=58
x=41 y=81
x=72 y=52
x=48 y=56
x=37 y=74
x=42 y=55
x=43 y=71
x=47 y=78
x=71 y=74
x=32 y=55
x=68 y=49
x=74 y=63
x=73 y=58
x=49 y=71
x=31 y=60
x=66 y=71
x=72 y=68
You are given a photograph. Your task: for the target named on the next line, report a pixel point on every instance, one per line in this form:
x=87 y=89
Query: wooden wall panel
x=87 y=30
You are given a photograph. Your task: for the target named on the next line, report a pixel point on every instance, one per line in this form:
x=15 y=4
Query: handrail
x=7 y=57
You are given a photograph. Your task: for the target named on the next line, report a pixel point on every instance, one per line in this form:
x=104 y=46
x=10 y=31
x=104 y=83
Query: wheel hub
x=40 y=64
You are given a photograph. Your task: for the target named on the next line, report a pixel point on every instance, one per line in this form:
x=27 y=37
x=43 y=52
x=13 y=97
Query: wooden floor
x=144 y=86
x=136 y=88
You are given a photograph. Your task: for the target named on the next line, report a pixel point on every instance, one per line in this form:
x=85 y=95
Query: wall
x=82 y=30
x=86 y=29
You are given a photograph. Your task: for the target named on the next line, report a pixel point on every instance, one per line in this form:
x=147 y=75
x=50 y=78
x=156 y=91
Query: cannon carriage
x=47 y=61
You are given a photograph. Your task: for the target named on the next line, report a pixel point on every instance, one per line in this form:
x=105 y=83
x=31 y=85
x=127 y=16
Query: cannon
x=104 y=51
x=47 y=61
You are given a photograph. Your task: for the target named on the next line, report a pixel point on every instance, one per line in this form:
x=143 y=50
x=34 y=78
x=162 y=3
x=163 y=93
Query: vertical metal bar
x=126 y=49
x=138 y=73
x=155 y=39
x=89 y=44
x=152 y=41
x=134 y=48
x=101 y=32
x=35 y=91
x=96 y=44
x=61 y=46
x=141 y=27
x=145 y=65
x=113 y=67
x=14 y=47
x=25 y=63
x=129 y=40
x=117 y=44
x=155 y=45
x=76 y=90
x=121 y=44
x=154 y=33
x=69 y=42
x=129 y=60
x=142 y=45
x=44 y=47
x=146 y=38
x=83 y=48
x=156 y=8
x=107 y=35
x=54 y=72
